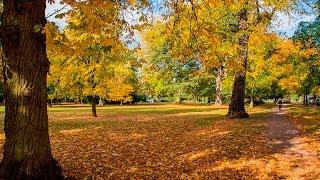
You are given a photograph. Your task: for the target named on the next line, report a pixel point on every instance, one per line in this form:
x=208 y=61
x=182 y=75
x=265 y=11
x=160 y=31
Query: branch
x=57 y=11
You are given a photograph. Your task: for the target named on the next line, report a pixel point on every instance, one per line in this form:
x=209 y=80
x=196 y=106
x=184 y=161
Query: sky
x=51 y=9
x=284 y=24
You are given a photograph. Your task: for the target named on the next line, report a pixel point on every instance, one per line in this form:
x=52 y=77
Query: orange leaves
x=132 y=2
x=291 y=82
x=284 y=50
x=91 y=42
x=307 y=53
x=119 y=91
x=116 y=87
x=153 y=142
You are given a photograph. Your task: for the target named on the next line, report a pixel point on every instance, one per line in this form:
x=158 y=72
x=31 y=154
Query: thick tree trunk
x=27 y=152
x=219 y=86
x=236 y=107
x=94 y=108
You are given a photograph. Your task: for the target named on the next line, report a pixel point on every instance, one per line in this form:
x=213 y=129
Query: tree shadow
x=196 y=144
x=280 y=154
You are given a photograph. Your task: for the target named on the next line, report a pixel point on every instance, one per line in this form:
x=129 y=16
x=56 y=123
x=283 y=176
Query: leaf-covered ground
x=178 y=142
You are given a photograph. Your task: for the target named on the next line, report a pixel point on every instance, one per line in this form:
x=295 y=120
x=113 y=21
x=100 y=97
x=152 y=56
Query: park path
x=291 y=157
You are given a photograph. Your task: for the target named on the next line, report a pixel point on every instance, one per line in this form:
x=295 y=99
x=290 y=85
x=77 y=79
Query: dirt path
x=292 y=160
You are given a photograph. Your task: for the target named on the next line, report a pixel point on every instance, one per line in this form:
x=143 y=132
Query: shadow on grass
x=170 y=142
x=307 y=117
x=169 y=146
x=278 y=156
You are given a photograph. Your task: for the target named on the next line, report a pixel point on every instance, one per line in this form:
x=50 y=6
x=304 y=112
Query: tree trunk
x=94 y=108
x=236 y=107
x=50 y=102
x=218 y=101
x=79 y=98
x=27 y=151
x=306 y=99
x=314 y=99
x=251 y=101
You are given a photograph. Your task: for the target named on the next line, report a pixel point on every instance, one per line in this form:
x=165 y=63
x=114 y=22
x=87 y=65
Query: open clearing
x=185 y=142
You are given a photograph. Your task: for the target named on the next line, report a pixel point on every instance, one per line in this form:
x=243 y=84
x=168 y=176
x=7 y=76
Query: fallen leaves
x=157 y=142
x=151 y=142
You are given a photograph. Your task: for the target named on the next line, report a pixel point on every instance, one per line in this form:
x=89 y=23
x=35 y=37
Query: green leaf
x=37 y=28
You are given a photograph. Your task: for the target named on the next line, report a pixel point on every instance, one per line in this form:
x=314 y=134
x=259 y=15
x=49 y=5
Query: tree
x=236 y=107
x=262 y=45
x=307 y=36
x=92 y=43
x=166 y=76
x=27 y=151
x=56 y=45
x=251 y=14
x=118 y=86
x=229 y=21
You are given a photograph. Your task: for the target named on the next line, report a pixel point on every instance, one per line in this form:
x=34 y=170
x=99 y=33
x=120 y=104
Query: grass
x=155 y=141
x=307 y=118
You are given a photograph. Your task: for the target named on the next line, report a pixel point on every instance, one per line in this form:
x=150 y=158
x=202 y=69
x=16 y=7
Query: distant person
x=280 y=104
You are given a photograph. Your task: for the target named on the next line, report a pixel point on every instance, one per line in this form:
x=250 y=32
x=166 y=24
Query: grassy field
x=307 y=118
x=158 y=141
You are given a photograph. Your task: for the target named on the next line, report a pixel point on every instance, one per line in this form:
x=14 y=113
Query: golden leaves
x=150 y=141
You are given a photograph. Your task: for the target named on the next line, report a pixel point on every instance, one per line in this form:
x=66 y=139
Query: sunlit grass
x=308 y=118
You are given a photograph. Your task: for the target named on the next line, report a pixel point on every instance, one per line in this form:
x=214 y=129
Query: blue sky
x=51 y=8
x=284 y=24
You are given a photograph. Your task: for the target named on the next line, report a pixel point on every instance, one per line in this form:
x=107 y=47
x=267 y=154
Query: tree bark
x=251 y=101
x=94 y=108
x=236 y=107
x=79 y=98
x=306 y=99
x=50 y=102
x=27 y=151
x=218 y=101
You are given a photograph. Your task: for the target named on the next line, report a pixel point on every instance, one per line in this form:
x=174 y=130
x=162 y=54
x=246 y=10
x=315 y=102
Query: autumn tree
x=166 y=76
x=27 y=152
x=261 y=46
x=96 y=38
x=237 y=20
x=307 y=36
x=56 y=42
x=118 y=85
x=250 y=14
